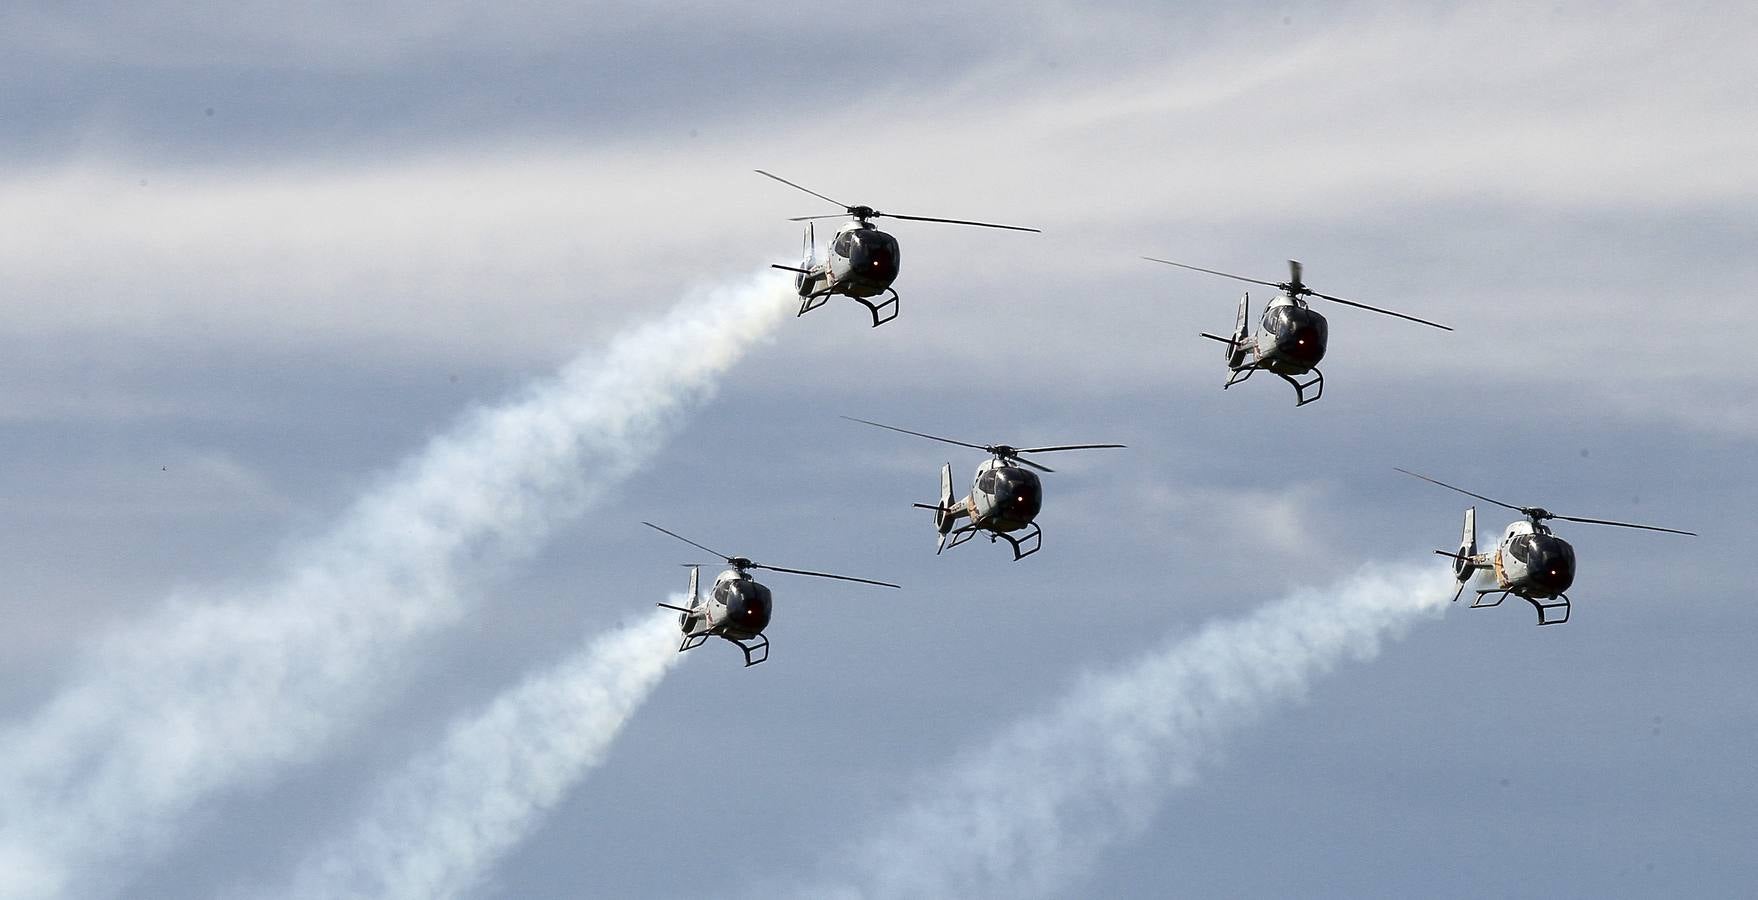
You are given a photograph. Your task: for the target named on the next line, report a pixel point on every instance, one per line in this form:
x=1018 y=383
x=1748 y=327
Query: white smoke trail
x=222 y=689
x=1027 y=813
x=439 y=825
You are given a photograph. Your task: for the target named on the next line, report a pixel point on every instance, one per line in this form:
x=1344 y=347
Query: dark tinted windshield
x=1550 y=561
x=875 y=253
x=1019 y=492
x=1300 y=333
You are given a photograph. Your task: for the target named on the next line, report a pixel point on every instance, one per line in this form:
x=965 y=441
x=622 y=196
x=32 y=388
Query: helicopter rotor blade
x=1461 y=490
x=825 y=216
x=688 y=541
x=1379 y=310
x=958 y=222
x=825 y=575
x=1070 y=447
x=1213 y=272
x=1624 y=524
x=930 y=437
x=798 y=188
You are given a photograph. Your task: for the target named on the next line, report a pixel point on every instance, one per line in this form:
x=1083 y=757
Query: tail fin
x=1467 y=547
x=943 y=516
x=687 y=613
x=809 y=253
x=1241 y=328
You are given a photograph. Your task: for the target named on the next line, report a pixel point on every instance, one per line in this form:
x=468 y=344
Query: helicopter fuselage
x=1004 y=497
x=737 y=607
x=1532 y=562
x=1291 y=337
x=862 y=261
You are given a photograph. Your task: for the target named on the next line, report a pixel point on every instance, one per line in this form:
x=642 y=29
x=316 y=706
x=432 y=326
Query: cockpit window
x=1542 y=552
x=844 y=244
x=1521 y=547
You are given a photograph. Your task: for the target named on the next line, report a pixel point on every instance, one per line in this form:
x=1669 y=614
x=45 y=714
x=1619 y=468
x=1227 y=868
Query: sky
x=346 y=350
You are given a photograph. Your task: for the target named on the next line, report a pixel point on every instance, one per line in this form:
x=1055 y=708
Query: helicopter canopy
x=1549 y=560
x=1300 y=332
x=872 y=254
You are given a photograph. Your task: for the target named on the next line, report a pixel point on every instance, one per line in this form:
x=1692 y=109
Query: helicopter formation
x=1006 y=494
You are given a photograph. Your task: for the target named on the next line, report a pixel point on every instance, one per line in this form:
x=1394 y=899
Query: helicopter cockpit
x=1300 y=333
x=1549 y=561
x=748 y=606
x=1015 y=493
x=872 y=255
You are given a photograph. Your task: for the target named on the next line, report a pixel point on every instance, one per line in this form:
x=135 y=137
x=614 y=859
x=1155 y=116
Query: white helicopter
x=737 y=607
x=863 y=261
x=1530 y=562
x=1292 y=340
x=1005 y=497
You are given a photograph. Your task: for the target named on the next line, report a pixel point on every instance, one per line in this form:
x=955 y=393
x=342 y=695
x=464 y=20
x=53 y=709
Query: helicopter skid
x=951 y=539
x=1300 y=398
x=889 y=306
x=756 y=650
x=1237 y=374
x=883 y=311
x=1484 y=595
x=1560 y=601
x=1035 y=538
x=692 y=641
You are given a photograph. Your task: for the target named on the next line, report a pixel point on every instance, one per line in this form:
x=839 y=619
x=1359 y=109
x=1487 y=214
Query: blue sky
x=226 y=328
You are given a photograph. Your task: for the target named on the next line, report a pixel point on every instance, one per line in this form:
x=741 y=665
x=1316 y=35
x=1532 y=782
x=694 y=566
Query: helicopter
x=737 y=608
x=1530 y=562
x=1005 y=497
x=863 y=260
x=1291 y=341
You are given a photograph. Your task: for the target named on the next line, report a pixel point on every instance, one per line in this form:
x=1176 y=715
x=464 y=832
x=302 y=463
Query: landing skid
x=1237 y=374
x=954 y=538
x=880 y=318
x=1035 y=537
x=1560 y=601
x=1300 y=398
x=756 y=650
x=883 y=311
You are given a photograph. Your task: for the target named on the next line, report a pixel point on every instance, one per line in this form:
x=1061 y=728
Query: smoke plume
x=219 y=689
x=1026 y=814
x=439 y=826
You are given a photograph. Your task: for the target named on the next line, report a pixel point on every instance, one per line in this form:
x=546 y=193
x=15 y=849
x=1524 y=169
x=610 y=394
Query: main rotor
x=1296 y=288
x=1538 y=514
x=741 y=563
x=864 y=214
x=1006 y=453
